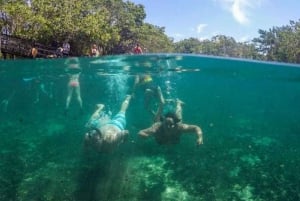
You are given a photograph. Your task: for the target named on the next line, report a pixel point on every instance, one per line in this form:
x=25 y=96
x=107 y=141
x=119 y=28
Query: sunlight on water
x=249 y=112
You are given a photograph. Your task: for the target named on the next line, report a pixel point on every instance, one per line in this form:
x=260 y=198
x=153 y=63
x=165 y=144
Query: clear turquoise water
x=249 y=113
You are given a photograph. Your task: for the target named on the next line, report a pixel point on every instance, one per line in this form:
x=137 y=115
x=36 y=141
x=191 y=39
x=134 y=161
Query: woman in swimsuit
x=73 y=71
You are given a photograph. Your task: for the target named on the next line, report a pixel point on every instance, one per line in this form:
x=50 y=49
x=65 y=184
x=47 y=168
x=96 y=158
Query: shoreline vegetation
x=116 y=26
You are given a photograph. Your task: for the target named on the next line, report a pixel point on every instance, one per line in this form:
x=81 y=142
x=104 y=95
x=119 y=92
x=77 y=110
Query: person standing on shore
x=137 y=49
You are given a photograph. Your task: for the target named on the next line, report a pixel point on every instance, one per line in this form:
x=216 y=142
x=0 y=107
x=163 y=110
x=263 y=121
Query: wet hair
x=170 y=115
x=93 y=131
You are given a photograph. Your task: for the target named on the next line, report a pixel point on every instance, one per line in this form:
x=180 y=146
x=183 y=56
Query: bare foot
x=100 y=106
x=128 y=97
x=178 y=101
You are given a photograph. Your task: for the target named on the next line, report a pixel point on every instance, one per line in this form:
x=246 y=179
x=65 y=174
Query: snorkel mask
x=170 y=120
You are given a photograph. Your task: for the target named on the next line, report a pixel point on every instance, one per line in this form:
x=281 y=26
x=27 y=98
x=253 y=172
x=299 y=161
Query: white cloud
x=238 y=11
x=241 y=9
x=201 y=27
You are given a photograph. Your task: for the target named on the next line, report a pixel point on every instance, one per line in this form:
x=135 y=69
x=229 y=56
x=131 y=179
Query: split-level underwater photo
x=248 y=111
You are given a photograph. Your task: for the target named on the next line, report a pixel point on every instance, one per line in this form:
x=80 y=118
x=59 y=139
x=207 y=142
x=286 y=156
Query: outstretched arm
x=149 y=131
x=195 y=129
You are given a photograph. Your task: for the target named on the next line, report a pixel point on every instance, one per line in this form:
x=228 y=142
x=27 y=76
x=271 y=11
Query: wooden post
x=0 y=45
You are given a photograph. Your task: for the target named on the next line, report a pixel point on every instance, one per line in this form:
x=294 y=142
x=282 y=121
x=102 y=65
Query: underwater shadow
x=88 y=177
x=100 y=177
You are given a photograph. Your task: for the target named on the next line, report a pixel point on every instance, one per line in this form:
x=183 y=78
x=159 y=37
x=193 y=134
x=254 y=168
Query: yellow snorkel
x=147 y=78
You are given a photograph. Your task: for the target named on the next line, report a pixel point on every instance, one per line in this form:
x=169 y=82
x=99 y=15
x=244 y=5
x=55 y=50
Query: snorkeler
x=4 y=103
x=106 y=133
x=168 y=127
x=151 y=90
x=73 y=70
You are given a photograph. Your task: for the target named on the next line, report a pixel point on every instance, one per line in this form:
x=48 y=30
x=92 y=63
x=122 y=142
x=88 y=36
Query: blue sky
x=203 y=19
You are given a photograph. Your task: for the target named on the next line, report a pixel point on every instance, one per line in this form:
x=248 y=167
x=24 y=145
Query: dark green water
x=249 y=113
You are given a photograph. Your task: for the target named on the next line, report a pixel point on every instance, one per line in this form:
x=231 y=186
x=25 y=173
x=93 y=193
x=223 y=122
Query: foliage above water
x=116 y=26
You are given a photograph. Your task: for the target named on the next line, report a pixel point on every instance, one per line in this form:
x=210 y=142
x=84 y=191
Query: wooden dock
x=18 y=47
